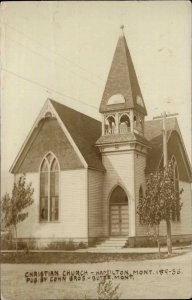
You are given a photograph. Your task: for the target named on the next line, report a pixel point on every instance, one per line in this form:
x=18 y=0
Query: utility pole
x=165 y=162
x=163 y=117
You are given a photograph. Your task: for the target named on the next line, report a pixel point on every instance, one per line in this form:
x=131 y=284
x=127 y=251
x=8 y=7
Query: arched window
x=140 y=199
x=176 y=212
x=49 y=188
x=124 y=126
x=116 y=99
x=110 y=125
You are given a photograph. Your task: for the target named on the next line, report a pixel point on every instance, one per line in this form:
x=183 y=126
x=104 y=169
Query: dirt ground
x=153 y=279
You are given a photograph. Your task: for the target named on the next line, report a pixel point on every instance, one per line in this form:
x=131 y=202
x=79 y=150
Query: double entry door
x=119 y=222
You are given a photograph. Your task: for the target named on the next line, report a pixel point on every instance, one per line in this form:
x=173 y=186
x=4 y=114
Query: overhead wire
x=55 y=53
x=55 y=63
x=59 y=65
x=45 y=87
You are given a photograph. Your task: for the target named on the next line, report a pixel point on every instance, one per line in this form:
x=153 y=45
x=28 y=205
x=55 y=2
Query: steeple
x=122 y=89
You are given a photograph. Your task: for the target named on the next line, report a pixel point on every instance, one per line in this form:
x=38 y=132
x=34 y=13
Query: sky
x=63 y=50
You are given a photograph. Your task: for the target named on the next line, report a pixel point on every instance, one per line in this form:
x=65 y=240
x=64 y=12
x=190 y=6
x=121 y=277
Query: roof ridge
x=127 y=53
x=73 y=109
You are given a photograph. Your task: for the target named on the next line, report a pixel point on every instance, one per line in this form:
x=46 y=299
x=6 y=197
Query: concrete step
x=110 y=246
x=113 y=243
x=117 y=239
x=110 y=249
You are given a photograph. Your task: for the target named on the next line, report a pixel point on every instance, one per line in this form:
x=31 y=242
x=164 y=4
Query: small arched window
x=141 y=123
x=176 y=212
x=110 y=125
x=140 y=199
x=49 y=188
x=124 y=126
x=116 y=99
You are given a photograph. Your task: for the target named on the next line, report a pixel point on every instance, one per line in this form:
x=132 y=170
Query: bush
x=22 y=245
x=32 y=245
x=181 y=243
x=106 y=290
x=63 y=245
x=7 y=244
x=82 y=245
x=151 y=243
x=70 y=245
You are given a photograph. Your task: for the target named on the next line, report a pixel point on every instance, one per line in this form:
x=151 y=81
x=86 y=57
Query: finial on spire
x=122 y=27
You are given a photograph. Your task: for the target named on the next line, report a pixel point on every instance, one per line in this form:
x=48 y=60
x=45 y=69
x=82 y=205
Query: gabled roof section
x=153 y=133
x=122 y=80
x=81 y=130
x=84 y=130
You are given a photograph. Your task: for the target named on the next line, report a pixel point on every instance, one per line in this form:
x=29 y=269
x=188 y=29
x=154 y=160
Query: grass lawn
x=169 y=285
x=73 y=258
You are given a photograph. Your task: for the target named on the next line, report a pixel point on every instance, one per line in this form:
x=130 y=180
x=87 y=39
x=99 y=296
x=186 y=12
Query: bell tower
x=122 y=144
x=122 y=103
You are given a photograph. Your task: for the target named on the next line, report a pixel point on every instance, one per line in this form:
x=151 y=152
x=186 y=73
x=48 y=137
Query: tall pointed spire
x=122 y=89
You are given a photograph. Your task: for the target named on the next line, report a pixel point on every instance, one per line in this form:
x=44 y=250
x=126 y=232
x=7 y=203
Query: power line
x=55 y=53
x=52 y=61
x=45 y=87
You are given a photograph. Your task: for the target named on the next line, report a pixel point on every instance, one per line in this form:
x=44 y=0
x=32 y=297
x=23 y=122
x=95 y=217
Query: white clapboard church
x=88 y=176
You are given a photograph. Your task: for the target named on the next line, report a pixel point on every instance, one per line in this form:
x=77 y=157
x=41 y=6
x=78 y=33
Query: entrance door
x=119 y=221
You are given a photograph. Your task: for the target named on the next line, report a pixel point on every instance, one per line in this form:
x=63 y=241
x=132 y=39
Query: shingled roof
x=119 y=138
x=84 y=130
x=122 y=79
x=153 y=133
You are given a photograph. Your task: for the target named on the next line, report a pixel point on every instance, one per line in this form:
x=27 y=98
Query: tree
x=13 y=207
x=161 y=201
x=149 y=206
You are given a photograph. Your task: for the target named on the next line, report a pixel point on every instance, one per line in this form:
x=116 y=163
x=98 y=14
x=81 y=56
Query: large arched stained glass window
x=49 y=188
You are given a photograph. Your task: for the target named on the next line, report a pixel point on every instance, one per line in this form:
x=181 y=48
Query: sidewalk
x=109 y=250
x=133 y=250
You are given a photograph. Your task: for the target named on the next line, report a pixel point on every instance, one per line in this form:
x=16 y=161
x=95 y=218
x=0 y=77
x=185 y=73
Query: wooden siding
x=140 y=164
x=48 y=137
x=185 y=224
x=95 y=203
x=73 y=221
x=120 y=171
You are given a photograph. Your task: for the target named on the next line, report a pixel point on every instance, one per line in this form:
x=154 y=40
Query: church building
x=89 y=176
